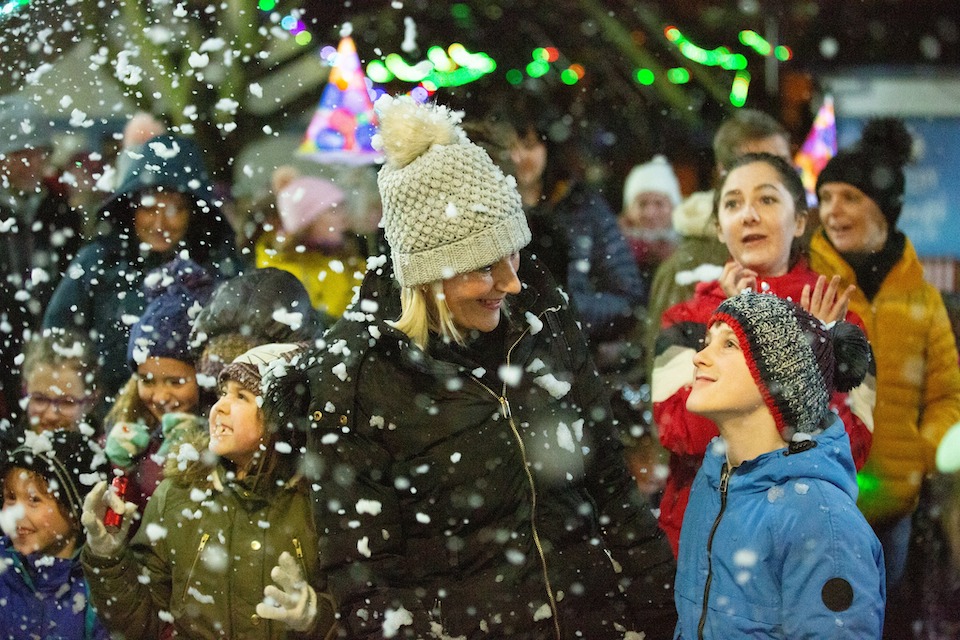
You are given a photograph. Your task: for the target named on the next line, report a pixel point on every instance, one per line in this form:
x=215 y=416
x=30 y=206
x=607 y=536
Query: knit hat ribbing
x=71 y=463
x=447 y=208
x=655 y=175
x=796 y=361
x=875 y=165
x=176 y=292
x=249 y=368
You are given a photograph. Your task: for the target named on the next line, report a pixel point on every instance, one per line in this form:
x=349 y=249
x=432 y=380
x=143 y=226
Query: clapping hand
x=735 y=278
x=823 y=302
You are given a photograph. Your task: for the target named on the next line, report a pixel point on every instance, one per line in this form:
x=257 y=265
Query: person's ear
x=801 y=224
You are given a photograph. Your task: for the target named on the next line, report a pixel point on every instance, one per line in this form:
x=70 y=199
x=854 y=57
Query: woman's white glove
x=294 y=603
x=100 y=541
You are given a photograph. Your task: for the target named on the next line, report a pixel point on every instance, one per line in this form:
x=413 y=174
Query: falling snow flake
x=556 y=388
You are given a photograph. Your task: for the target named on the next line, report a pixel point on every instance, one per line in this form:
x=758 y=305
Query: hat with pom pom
x=70 y=462
x=796 y=360
x=447 y=208
x=175 y=292
x=302 y=201
x=656 y=175
x=875 y=165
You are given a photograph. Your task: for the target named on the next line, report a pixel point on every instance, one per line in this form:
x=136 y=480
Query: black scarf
x=872 y=269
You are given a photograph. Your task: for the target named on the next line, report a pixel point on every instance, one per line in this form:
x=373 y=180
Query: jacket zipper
x=724 y=485
x=508 y=414
x=298 y=550
x=203 y=543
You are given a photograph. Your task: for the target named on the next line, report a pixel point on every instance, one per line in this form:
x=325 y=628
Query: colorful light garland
x=290 y=22
x=452 y=67
x=542 y=61
x=718 y=57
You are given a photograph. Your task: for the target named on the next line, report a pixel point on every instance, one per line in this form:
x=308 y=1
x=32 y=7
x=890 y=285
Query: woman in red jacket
x=761 y=213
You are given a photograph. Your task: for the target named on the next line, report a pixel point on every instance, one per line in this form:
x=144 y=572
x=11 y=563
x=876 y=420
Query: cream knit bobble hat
x=447 y=208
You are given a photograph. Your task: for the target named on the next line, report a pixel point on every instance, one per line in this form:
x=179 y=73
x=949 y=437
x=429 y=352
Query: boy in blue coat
x=773 y=545
x=42 y=588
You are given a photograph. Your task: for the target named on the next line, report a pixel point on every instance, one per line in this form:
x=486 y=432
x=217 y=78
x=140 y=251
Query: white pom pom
x=408 y=129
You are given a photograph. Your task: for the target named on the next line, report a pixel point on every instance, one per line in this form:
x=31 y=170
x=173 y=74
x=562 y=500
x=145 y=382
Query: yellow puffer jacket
x=918 y=379
x=329 y=279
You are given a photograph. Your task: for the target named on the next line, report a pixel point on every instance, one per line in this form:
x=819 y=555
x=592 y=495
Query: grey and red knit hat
x=447 y=208
x=796 y=360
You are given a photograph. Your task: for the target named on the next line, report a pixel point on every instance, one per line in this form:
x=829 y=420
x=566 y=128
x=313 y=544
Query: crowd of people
x=507 y=412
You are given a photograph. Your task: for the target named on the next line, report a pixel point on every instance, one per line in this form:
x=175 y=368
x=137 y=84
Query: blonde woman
x=467 y=470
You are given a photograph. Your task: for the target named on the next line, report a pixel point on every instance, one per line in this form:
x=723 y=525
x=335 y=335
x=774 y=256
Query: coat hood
x=268 y=305
x=826 y=456
x=171 y=163
x=693 y=216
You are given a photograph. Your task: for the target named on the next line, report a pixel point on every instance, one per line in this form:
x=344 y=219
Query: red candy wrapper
x=111 y=518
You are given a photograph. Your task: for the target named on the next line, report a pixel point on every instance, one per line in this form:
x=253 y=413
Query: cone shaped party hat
x=342 y=129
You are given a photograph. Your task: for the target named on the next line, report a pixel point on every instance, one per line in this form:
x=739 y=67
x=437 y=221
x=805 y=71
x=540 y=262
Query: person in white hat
x=467 y=470
x=650 y=193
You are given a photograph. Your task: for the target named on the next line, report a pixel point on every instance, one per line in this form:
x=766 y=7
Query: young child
x=59 y=373
x=773 y=545
x=42 y=587
x=164 y=378
x=232 y=504
x=315 y=242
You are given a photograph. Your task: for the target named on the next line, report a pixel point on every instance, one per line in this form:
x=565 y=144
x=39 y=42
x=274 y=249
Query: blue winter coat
x=35 y=603
x=783 y=552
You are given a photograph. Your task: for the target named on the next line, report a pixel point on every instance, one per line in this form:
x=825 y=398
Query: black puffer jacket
x=455 y=505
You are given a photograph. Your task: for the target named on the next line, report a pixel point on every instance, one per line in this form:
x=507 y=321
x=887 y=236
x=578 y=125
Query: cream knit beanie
x=447 y=208
x=655 y=175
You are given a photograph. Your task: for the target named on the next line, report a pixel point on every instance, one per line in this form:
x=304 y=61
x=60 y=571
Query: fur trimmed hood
x=693 y=216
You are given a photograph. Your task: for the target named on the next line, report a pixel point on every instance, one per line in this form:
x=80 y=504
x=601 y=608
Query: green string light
x=514 y=76
x=378 y=72
x=723 y=58
x=738 y=92
x=538 y=68
x=644 y=77
x=678 y=75
x=719 y=57
x=569 y=77
x=451 y=68
x=756 y=42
